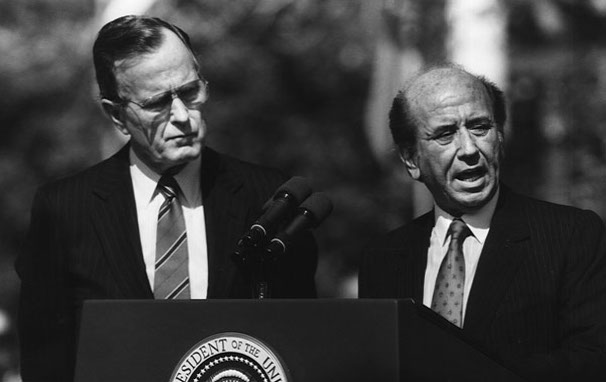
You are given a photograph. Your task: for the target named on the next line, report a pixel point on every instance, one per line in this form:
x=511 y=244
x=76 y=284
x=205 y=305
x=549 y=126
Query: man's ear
x=410 y=161
x=114 y=112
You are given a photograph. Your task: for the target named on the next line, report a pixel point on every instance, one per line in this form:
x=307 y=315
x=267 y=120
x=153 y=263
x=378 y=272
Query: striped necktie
x=171 y=280
x=448 y=293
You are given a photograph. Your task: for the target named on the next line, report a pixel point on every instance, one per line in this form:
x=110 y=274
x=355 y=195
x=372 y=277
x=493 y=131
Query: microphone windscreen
x=319 y=205
x=297 y=187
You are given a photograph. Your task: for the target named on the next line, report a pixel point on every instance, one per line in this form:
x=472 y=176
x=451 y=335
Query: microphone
x=277 y=208
x=310 y=214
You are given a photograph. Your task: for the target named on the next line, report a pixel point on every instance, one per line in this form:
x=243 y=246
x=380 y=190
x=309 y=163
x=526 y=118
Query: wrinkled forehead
x=442 y=88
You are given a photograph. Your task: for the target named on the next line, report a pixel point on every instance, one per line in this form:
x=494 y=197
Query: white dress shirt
x=479 y=224
x=148 y=202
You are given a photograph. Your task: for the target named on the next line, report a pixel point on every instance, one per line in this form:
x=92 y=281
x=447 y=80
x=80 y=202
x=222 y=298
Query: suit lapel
x=503 y=252
x=422 y=229
x=225 y=213
x=115 y=221
x=404 y=253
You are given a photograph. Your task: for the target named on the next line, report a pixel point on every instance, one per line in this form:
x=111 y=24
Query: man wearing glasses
x=159 y=219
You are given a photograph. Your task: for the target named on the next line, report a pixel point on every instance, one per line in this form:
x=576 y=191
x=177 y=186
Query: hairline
x=403 y=105
x=108 y=60
x=135 y=58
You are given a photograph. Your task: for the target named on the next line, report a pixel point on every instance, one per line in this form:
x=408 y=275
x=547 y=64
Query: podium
x=311 y=340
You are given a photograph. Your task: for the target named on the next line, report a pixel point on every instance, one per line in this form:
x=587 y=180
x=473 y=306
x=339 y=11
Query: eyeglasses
x=192 y=94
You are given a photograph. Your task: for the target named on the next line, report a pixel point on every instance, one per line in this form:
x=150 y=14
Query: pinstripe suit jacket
x=538 y=300
x=84 y=244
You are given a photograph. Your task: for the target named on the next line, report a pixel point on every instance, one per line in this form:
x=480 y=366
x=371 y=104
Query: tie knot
x=168 y=186
x=458 y=230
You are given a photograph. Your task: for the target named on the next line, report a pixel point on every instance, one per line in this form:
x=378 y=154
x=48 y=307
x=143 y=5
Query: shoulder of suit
x=250 y=174
x=76 y=179
x=416 y=229
x=554 y=213
x=248 y=167
x=84 y=178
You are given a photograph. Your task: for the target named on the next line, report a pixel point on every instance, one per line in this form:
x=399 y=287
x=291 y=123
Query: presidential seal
x=230 y=357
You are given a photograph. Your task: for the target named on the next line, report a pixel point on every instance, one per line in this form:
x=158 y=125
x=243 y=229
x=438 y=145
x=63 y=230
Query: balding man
x=524 y=279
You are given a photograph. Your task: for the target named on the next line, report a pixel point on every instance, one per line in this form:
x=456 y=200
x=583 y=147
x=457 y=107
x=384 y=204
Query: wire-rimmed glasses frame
x=192 y=94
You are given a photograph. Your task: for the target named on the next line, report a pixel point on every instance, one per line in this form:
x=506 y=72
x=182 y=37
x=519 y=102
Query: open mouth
x=471 y=175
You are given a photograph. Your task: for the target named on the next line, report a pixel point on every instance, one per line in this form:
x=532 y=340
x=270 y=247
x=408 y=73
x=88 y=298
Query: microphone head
x=319 y=205
x=296 y=187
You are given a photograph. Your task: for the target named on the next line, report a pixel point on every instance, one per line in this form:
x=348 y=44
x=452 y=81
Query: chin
x=182 y=157
x=188 y=158
x=189 y=152
x=472 y=203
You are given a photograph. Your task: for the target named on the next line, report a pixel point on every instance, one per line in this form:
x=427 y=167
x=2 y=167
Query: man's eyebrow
x=446 y=126
x=442 y=128
x=478 y=119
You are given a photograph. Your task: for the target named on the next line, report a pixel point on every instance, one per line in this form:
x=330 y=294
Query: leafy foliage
x=289 y=84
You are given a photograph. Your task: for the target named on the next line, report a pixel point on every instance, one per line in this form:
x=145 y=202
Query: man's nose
x=467 y=143
x=179 y=113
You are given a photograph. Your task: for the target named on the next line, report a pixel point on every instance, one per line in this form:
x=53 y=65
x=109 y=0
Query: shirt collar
x=145 y=179
x=189 y=181
x=478 y=222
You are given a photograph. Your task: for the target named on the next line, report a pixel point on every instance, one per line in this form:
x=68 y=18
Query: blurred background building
x=305 y=86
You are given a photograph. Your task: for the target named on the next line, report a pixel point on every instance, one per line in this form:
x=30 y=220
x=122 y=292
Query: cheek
x=440 y=160
x=496 y=154
x=197 y=120
x=491 y=150
x=156 y=133
x=434 y=168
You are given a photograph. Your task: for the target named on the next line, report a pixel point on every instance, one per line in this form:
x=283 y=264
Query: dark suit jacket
x=538 y=299
x=84 y=244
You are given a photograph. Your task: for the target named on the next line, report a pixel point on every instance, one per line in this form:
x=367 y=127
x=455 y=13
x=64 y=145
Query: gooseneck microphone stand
x=254 y=260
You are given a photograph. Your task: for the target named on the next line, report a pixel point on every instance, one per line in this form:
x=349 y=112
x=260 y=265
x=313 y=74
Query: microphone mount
x=254 y=249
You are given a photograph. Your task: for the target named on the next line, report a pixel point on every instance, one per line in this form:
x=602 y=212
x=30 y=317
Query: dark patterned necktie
x=448 y=293
x=171 y=280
